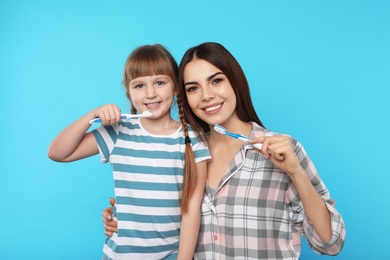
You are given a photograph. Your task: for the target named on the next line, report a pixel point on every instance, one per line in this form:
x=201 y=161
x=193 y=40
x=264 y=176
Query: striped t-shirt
x=148 y=175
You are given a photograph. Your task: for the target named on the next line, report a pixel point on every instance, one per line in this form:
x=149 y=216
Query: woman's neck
x=234 y=126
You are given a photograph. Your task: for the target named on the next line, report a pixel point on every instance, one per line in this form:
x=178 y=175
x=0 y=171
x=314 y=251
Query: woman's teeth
x=212 y=108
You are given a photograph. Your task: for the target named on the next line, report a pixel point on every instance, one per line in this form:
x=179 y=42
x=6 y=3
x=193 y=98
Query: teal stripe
x=151 y=139
x=102 y=144
x=202 y=153
x=119 y=167
x=111 y=132
x=145 y=249
x=147 y=185
x=175 y=155
x=129 y=125
x=161 y=203
x=148 y=234
x=149 y=218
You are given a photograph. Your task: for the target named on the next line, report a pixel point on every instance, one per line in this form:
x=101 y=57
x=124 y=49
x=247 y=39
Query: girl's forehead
x=151 y=78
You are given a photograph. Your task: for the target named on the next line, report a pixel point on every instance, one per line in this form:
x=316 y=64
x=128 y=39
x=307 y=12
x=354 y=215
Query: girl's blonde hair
x=155 y=59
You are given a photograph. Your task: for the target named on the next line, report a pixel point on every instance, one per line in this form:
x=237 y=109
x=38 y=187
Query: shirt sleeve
x=299 y=218
x=106 y=137
x=200 y=149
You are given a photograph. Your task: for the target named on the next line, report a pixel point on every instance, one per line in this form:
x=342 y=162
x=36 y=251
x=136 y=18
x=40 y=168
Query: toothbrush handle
x=258 y=146
x=98 y=120
x=244 y=138
x=238 y=136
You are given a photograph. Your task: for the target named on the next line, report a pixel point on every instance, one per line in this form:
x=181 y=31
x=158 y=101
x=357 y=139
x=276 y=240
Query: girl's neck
x=161 y=126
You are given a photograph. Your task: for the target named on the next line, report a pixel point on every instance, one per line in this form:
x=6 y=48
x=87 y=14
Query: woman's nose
x=207 y=94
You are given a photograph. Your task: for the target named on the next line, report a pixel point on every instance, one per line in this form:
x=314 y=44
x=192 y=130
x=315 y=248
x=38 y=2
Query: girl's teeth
x=153 y=104
x=212 y=108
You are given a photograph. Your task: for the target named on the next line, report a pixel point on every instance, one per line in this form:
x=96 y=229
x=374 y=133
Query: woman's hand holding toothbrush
x=280 y=151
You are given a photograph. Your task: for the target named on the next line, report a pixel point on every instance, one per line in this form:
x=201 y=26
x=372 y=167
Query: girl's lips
x=153 y=105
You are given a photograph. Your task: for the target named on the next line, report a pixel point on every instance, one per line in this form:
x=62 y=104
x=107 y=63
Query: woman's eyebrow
x=208 y=79
x=215 y=74
x=190 y=83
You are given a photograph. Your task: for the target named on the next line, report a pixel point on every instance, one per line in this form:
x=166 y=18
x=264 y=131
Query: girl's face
x=155 y=93
x=209 y=93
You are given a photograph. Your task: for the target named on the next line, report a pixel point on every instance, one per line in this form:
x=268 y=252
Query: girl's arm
x=191 y=220
x=280 y=151
x=73 y=143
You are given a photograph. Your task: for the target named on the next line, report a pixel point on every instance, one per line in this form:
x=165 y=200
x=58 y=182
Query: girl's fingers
x=109 y=114
x=114 y=114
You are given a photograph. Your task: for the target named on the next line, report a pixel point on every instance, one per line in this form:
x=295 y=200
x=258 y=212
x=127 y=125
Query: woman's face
x=209 y=93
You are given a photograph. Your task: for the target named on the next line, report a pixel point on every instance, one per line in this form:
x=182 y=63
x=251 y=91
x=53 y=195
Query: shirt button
x=215 y=237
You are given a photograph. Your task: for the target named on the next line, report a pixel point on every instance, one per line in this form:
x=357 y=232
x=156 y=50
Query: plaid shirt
x=256 y=212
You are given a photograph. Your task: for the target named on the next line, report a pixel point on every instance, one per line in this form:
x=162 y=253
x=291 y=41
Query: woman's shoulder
x=259 y=131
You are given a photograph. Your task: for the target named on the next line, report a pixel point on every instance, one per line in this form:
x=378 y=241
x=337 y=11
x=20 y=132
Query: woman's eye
x=191 y=89
x=216 y=81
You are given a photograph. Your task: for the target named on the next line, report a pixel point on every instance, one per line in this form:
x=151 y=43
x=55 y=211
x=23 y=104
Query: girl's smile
x=154 y=93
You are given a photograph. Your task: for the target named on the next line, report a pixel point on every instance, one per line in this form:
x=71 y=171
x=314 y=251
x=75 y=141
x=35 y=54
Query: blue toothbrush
x=146 y=113
x=222 y=130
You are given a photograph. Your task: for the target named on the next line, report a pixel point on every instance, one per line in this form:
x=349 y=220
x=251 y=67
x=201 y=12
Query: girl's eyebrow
x=208 y=79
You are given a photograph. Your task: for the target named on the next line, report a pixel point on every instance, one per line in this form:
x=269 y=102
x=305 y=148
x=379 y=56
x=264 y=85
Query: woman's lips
x=212 y=109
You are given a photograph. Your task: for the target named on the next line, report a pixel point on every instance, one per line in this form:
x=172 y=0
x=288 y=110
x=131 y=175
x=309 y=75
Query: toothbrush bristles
x=220 y=129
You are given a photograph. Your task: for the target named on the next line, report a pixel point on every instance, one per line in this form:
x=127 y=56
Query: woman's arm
x=191 y=220
x=73 y=143
x=110 y=225
x=280 y=151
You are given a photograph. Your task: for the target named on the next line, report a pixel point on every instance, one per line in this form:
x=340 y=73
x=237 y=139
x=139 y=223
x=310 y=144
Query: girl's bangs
x=149 y=67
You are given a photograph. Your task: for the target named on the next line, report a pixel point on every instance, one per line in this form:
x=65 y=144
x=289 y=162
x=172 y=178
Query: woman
x=257 y=203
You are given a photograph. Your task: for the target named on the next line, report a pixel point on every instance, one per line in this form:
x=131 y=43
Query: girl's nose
x=150 y=92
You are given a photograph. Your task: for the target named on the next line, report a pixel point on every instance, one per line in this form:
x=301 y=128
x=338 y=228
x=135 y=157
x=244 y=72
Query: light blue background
x=318 y=70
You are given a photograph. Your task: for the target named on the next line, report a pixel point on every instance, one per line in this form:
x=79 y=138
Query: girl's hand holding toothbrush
x=109 y=114
x=280 y=151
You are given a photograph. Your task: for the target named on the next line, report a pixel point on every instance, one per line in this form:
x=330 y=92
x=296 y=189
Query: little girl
x=159 y=164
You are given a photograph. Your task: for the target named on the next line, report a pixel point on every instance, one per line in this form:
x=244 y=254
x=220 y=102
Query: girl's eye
x=159 y=83
x=138 y=86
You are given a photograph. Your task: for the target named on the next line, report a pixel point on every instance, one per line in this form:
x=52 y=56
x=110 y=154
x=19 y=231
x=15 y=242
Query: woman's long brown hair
x=220 y=57
x=154 y=59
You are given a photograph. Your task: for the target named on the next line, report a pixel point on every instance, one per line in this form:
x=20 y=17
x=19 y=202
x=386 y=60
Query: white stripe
x=125 y=241
x=145 y=255
x=147 y=194
x=153 y=178
x=150 y=146
x=147 y=161
x=151 y=211
x=147 y=226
